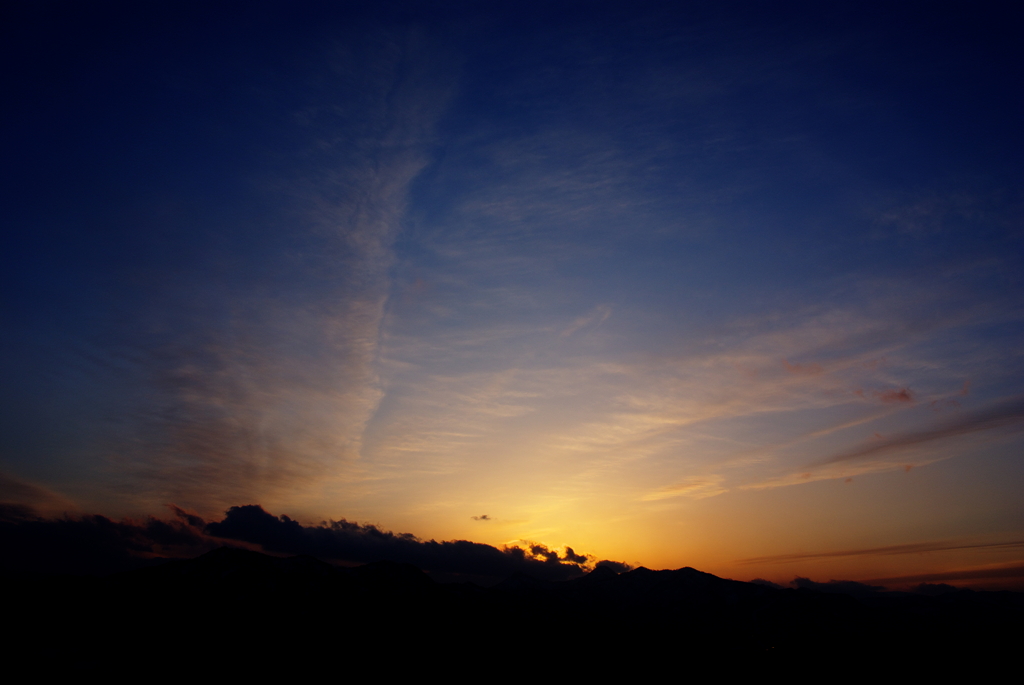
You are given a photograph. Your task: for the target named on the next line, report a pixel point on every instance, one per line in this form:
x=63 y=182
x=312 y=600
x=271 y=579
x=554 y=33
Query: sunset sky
x=736 y=286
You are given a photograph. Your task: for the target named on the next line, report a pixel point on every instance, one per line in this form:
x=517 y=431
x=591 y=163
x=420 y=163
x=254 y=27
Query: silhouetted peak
x=392 y=572
x=601 y=572
x=234 y=565
x=521 y=581
x=935 y=589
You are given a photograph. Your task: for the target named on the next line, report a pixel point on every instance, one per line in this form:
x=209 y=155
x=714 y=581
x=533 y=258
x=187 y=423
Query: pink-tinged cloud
x=746 y=371
x=895 y=396
x=939 y=405
x=36 y=497
x=802 y=369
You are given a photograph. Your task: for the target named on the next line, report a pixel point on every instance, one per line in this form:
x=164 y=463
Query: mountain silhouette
x=248 y=611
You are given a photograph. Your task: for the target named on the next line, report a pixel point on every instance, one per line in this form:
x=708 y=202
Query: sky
x=735 y=286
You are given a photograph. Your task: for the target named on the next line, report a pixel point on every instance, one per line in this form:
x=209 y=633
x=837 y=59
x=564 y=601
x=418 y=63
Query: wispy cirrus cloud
x=723 y=405
x=598 y=316
x=697 y=487
x=262 y=378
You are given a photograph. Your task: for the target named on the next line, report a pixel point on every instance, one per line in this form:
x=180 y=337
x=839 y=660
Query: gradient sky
x=735 y=286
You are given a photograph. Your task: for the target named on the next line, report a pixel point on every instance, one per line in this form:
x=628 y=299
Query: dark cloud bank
x=97 y=545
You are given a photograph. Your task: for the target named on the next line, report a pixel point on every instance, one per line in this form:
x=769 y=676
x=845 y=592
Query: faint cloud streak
x=598 y=316
x=912 y=548
x=696 y=488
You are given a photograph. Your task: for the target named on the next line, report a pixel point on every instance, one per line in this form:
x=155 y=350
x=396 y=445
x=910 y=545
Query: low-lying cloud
x=96 y=545
x=93 y=544
x=353 y=542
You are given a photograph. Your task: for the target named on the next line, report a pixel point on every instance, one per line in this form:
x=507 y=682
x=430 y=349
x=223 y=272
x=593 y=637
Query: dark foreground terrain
x=248 y=613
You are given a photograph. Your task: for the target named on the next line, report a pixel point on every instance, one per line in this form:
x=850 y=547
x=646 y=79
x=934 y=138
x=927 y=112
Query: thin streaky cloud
x=598 y=316
x=15 y=490
x=699 y=487
x=1002 y=414
x=913 y=548
x=279 y=395
x=762 y=453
